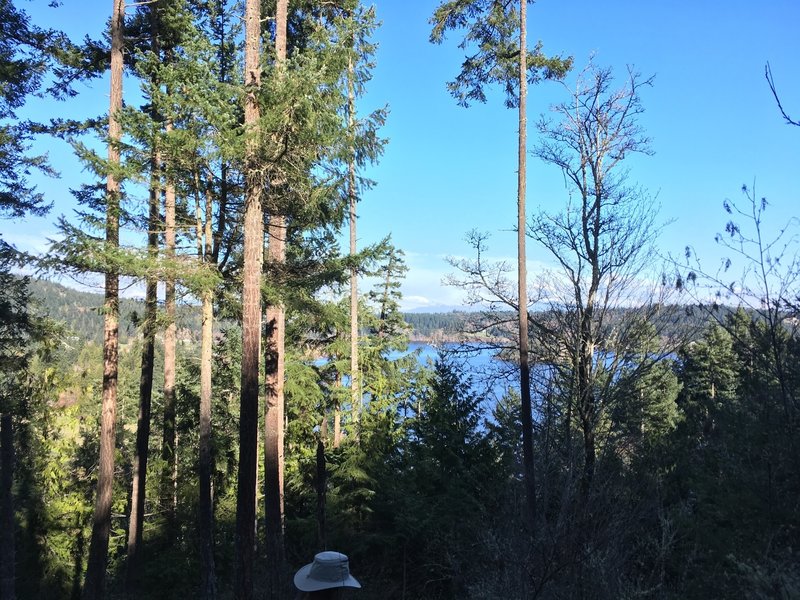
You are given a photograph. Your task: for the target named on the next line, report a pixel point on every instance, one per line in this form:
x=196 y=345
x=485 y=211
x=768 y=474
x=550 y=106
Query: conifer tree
x=251 y=310
x=355 y=391
x=710 y=379
x=600 y=241
x=17 y=329
x=492 y=25
x=308 y=146
x=23 y=336
x=7 y=552
x=28 y=55
x=275 y=356
x=94 y=583
x=363 y=146
x=21 y=73
x=211 y=187
x=169 y=440
x=139 y=476
x=23 y=60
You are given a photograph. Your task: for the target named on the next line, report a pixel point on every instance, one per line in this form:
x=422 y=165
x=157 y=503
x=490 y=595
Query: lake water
x=489 y=376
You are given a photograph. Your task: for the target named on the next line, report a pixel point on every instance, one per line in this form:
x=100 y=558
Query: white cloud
x=35 y=243
x=423 y=287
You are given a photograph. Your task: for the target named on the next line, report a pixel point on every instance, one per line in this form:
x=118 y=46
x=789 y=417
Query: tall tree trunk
x=169 y=440
x=138 y=485
x=522 y=276
x=274 y=370
x=94 y=584
x=7 y=526
x=206 y=506
x=251 y=314
x=355 y=388
x=274 y=366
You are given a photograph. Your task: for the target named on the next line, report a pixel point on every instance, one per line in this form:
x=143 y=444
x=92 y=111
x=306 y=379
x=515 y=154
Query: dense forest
x=258 y=405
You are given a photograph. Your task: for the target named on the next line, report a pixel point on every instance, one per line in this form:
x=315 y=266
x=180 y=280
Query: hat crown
x=333 y=567
x=328 y=570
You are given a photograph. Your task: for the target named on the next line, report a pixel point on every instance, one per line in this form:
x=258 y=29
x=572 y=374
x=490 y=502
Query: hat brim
x=305 y=584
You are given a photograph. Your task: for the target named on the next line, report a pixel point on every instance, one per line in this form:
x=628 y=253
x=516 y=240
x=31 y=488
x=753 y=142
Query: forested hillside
x=81 y=312
x=259 y=404
x=428 y=325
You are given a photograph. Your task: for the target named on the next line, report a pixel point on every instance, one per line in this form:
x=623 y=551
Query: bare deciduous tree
x=601 y=242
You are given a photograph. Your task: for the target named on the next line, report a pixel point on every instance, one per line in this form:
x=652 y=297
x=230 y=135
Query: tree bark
x=355 y=388
x=273 y=434
x=94 y=583
x=206 y=502
x=274 y=367
x=522 y=276
x=138 y=485
x=169 y=440
x=209 y=587
x=7 y=525
x=251 y=315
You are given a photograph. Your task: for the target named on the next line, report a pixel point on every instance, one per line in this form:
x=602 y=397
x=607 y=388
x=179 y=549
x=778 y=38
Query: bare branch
x=771 y=81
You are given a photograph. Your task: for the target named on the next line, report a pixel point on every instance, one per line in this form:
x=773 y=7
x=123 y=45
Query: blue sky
x=447 y=170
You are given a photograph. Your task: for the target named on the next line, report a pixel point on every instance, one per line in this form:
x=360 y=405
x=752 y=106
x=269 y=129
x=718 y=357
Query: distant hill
x=684 y=321
x=82 y=314
x=443 y=308
x=429 y=324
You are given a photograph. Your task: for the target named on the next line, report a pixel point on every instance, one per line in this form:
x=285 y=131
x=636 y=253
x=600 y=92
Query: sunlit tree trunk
x=274 y=369
x=337 y=417
x=169 y=440
x=355 y=387
x=94 y=583
x=251 y=315
x=522 y=275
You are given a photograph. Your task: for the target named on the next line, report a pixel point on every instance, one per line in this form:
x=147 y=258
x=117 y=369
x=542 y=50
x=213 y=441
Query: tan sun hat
x=329 y=570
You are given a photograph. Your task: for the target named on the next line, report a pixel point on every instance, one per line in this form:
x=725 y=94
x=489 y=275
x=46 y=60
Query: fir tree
x=251 y=311
x=94 y=585
x=491 y=26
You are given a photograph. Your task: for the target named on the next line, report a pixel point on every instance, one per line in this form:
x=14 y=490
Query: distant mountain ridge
x=81 y=311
